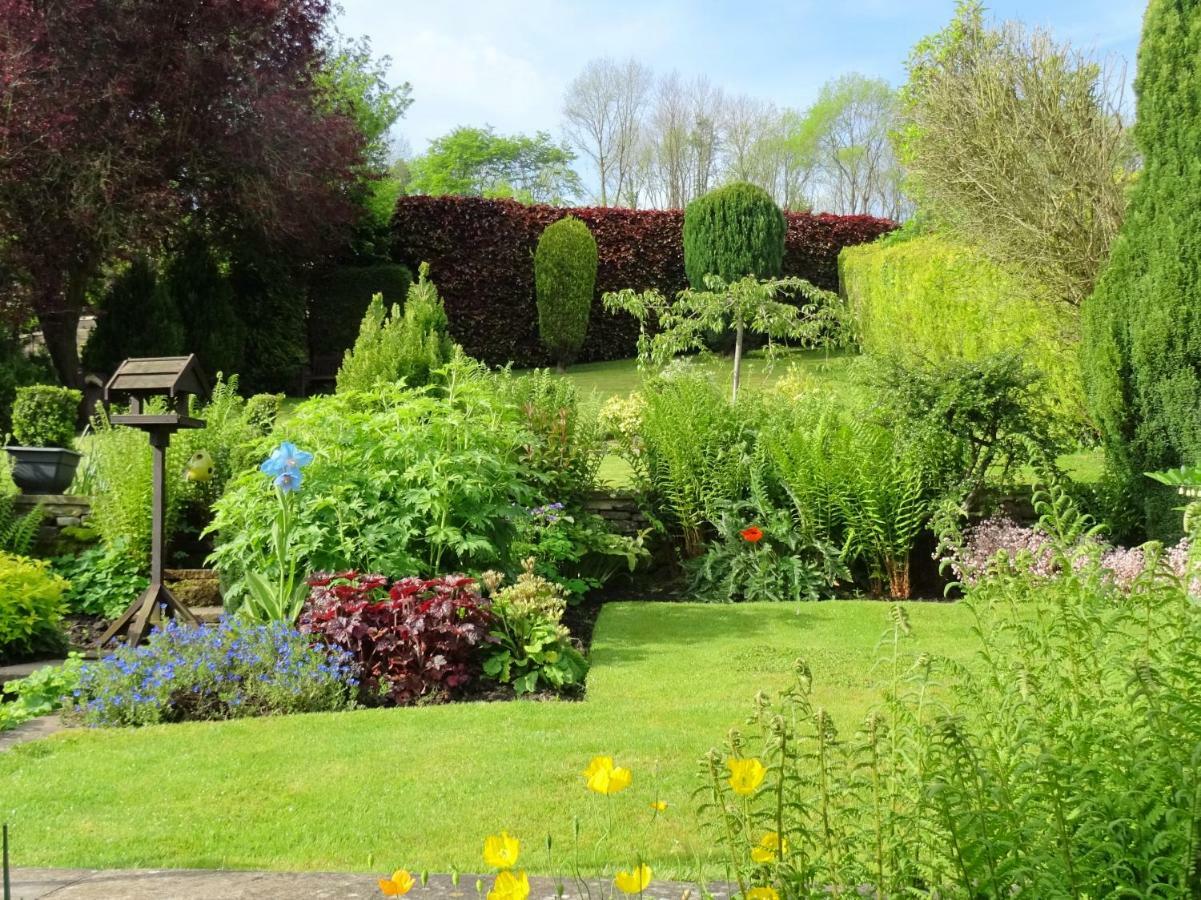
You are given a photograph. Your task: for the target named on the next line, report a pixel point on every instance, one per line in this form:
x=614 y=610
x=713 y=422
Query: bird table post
x=174 y=378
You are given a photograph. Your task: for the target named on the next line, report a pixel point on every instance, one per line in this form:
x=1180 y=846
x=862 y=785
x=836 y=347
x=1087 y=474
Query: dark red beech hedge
x=481 y=256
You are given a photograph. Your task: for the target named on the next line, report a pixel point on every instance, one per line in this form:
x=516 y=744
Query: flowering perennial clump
x=1000 y=542
x=227 y=671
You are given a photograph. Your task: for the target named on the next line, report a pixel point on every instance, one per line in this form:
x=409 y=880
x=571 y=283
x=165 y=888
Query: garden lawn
x=620 y=377
x=421 y=788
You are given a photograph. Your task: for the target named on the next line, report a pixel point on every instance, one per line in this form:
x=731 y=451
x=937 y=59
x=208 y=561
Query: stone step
x=208 y=615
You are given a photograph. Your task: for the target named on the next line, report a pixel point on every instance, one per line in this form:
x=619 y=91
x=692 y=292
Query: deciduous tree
x=124 y=117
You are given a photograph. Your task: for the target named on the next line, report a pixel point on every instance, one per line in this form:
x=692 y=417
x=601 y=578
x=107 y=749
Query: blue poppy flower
x=288 y=482
x=285 y=458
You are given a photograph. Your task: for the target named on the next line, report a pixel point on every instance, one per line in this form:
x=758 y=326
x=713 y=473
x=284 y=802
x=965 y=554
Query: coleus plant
x=411 y=640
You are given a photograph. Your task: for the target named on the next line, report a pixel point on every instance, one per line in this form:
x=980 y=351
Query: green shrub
x=565 y=443
x=731 y=232
x=1142 y=353
x=262 y=412
x=338 y=302
x=137 y=317
x=45 y=691
x=403 y=480
x=392 y=346
x=44 y=416
x=1059 y=760
x=201 y=291
x=970 y=422
x=925 y=298
x=31 y=614
x=17 y=369
x=564 y=278
x=102 y=582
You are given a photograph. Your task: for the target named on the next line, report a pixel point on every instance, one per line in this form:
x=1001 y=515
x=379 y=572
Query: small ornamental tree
x=1142 y=324
x=409 y=344
x=734 y=231
x=747 y=304
x=565 y=277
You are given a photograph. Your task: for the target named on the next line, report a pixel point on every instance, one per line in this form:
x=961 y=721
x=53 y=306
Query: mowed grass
x=421 y=788
x=603 y=380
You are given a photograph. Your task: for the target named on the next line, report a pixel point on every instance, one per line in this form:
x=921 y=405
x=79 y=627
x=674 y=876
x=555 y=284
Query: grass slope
x=373 y=790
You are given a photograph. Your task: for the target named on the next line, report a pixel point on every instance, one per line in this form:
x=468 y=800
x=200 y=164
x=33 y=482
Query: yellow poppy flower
x=745 y=775
x=762 y=893
x=605 y=778
x=501 y=850
x=510 y=886
x=398 y=885
x=659 y=806
x=634 y=882
x=769 y=849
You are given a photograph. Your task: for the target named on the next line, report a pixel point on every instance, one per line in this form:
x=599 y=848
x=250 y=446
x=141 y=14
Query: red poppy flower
x=752 y=534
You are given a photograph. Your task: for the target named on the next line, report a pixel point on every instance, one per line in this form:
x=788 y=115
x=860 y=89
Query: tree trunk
x=560 y=368
x=60 y=329
x=738 y=333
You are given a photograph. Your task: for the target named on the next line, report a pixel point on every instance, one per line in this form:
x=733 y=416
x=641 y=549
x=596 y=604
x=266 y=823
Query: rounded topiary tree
x=732 y=232
x=1142 y=324
x=565 y=277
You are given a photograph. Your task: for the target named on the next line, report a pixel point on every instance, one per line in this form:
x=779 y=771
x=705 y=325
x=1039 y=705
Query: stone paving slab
x=211 y=884
x=33 y=730
x=24 y=670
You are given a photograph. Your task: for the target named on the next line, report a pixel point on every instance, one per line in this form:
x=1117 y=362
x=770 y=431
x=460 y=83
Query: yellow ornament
x=200 y=467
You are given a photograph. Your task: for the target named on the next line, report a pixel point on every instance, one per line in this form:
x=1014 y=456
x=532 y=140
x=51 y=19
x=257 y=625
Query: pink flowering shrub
x=1000 y=543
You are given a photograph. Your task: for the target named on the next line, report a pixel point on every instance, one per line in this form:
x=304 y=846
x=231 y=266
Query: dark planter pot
x=43 y=470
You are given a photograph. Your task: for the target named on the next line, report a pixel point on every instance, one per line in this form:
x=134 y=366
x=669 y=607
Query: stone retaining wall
x=619 y=508
x=61 y=514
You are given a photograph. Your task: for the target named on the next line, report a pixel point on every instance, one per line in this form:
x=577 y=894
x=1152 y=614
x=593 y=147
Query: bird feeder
x=175 y=380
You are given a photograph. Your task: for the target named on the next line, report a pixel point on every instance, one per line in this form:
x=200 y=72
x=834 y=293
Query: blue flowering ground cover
x=227 y=671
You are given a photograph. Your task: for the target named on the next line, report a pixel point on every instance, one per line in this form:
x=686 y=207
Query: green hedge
x=926 y=297
x=338 y=302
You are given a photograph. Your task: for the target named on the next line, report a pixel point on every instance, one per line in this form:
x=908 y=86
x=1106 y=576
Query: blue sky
x=506 y=63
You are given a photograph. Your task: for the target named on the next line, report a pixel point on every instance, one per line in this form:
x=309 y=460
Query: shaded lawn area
x=421 y=788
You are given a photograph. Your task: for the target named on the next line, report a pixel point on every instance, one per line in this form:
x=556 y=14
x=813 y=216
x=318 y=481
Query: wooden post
x=156 y=602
